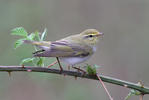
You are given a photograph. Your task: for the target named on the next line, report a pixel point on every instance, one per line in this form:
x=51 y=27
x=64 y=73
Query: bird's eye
x=90 y=35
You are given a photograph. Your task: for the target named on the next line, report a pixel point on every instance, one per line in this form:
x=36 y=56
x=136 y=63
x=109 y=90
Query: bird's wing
x=63 y=48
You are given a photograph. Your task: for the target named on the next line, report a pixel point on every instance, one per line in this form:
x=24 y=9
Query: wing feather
x=65 y=49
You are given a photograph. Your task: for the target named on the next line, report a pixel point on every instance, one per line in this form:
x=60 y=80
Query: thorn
x=141 y=84
x=125 y=85
x=29 y=70
x=23 y=66
x=75 y=77
x=9 y=73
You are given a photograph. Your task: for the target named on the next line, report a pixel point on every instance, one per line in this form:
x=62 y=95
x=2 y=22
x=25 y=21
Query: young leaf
x=135 y=92
x=91 y=70
x=40 y=62
x=37 y=34
x=19 y=31
x=26 y=60
x=128 y=96
x=43 y=34
x=31 y=36
x=18 y=43
x=132 y=93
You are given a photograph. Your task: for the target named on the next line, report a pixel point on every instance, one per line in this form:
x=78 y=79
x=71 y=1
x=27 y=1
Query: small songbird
x=71 y=50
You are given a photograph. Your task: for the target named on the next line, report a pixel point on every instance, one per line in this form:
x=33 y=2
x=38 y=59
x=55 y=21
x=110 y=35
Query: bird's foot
x=52 y=64
x=68 y=67
x=80 y=70
x=61 y=68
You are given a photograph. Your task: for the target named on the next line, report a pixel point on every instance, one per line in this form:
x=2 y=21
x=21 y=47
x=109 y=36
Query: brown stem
x=104 y=86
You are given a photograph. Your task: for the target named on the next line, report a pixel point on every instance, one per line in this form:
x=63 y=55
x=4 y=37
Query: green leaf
x=37 y=36
x=128 y=96
x=27 y=60
x=132 y=93
x=91 y=70
x=18 y=43
x=135 y=92
x=19 y=31
x=43 y=34
x=31 y=36
x=40 y=62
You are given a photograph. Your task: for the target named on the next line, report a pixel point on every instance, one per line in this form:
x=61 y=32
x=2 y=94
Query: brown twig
x=141 y=97
x=110 y=97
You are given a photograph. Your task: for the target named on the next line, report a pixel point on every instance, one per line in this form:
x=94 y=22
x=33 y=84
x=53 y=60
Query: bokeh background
x=123 y=52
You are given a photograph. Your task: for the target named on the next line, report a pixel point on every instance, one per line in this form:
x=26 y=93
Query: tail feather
x=44 y=45
x=33 y=42
x=45 y=48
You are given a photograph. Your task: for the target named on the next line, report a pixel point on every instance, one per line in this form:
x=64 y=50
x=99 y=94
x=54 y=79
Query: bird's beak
x=100 y=34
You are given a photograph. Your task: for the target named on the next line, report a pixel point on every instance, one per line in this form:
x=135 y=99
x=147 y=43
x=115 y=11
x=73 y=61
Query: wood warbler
x=71 y=50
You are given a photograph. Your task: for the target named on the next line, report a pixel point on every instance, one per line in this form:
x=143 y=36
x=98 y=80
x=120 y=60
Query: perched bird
x=71 y=50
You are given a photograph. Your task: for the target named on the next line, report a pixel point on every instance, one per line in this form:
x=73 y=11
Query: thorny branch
x=143 y=90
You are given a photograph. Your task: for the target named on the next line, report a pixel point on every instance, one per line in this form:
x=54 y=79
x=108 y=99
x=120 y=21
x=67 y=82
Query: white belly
x=73 y=60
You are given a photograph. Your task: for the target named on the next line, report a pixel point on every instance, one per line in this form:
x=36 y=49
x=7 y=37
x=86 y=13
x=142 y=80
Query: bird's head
x=91 y=36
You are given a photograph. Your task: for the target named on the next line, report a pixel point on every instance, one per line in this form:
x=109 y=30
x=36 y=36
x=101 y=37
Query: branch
x=143 y=90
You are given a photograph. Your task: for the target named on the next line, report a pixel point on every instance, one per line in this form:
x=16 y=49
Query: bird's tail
x=27 y=41
x=31 y=42
x=41 y=44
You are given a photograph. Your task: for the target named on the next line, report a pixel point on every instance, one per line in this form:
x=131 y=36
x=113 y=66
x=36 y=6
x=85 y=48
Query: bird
x=71 y=50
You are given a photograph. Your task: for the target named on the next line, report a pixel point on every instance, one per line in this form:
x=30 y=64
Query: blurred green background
x=123 y=52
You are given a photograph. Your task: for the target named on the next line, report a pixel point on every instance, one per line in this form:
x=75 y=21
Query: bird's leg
x=79 y=69
x=68 y=67
x=61 y=69
x=52 y=64
x=23 y=66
